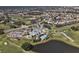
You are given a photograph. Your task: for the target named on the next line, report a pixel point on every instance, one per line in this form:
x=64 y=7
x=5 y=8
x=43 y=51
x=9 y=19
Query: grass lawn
x=9 y=48
x=19 y=42
x=2 y=26
x=74 y=35
x=58 y=36
x=66 y=27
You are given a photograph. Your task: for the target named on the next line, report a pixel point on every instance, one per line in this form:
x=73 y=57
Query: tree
x=1 y=31
x=13 y=26
x=27 y=46
x=8 y=19
x=2 y=18
x=74 y=28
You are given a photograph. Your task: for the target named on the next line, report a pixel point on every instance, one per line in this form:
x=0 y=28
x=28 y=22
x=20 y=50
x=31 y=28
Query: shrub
x=75 y=28
x=1 y=31
x=27 y=46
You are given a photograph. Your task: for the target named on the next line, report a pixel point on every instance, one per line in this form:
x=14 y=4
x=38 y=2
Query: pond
x=55 y=47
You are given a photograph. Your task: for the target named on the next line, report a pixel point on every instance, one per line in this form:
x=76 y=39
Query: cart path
x=67 y=36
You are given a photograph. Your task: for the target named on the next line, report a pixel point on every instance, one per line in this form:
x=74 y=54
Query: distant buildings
x=15 y=34
x=23 y=32
x=37 y=22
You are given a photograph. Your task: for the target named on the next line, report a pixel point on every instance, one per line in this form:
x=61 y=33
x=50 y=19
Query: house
x=44 y=36
x=29 y=32
x=34 y=32
x=45 y=31
x=15 y=34
x=50 y=21
x=28 y=36
x=57 y=18
x=34 y=21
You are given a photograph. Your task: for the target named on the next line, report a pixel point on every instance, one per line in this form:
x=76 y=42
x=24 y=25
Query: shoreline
x=68 y=43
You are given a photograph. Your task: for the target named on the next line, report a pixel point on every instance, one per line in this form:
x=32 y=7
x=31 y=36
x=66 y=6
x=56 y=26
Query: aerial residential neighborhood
x=22 y=28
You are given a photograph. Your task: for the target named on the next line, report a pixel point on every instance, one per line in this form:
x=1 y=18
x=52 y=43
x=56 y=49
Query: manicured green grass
x=2 y=26
x=9 y=48
x=58 y=36
x=19 y=42
x=66 y=27
x=74 y=35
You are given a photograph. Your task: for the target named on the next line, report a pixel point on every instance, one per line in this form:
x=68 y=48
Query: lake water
x=55 y=47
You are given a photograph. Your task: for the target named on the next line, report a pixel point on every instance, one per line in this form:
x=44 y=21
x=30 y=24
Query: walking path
x=67 y=37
